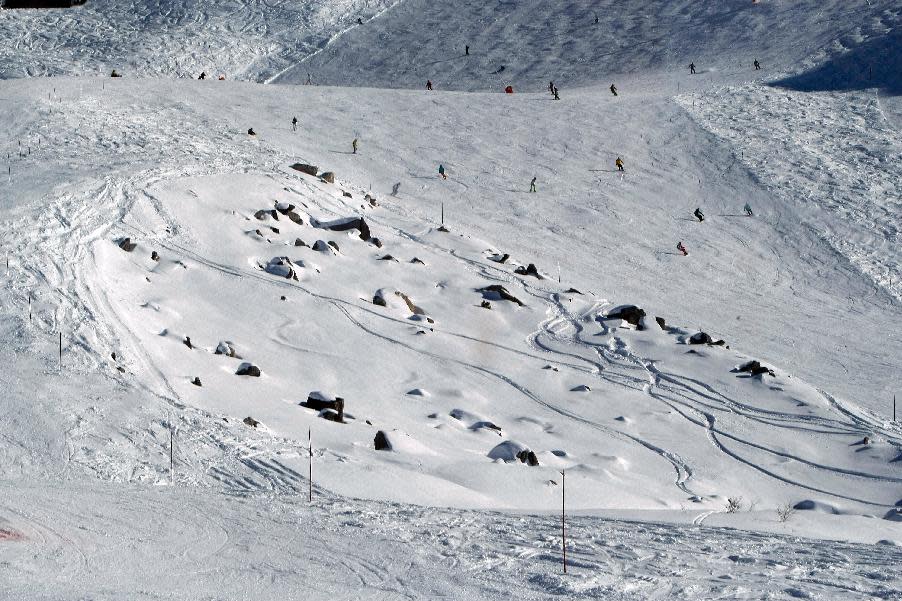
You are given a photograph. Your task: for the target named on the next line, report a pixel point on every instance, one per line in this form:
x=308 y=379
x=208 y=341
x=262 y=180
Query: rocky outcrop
x=704 y=338
x=381 y=441
x=631 y=314
x=251 y=422
x=349 y=223
x=529 y=270
x=127 y=245
x=499 y=292
x=248 y=369
x=304 y=168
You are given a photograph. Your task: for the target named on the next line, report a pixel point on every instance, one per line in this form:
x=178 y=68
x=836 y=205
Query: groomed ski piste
x=164 y=250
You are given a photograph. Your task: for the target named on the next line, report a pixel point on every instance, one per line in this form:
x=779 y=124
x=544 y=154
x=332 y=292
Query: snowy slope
x=650 y=429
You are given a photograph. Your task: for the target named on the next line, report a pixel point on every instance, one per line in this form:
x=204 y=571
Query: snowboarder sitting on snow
x=428 y=84
x=699 y=215
x=619 y=163
x=203 y=75
x=613 y=89
x=251 y=132
x=532 y=185
x=748 y=209
x=114 y=74
x=757 y=65
x=682 y=249
x=354 y=146
x=441 y=172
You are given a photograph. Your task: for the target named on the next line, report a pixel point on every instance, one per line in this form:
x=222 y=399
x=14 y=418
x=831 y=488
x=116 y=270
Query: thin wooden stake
x=61 y=351
x=894 y=407
x=563 y=527
x=171 y=454
x=443 y=213
x=310 y=464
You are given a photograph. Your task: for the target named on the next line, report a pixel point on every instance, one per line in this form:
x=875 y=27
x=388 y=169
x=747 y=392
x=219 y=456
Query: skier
x=309 y=81
x=556 y=97
x=251 y=132
x=294 y=123
x=203 y=75
x=395 y=188
x=698 y=214
x=596 y=19
x=551 y=87
x=748 y=209
x=466 y=51
x=619 y=163
x=429 y=84
x=757 y=65
x=682 y=248
x=692 y=68
x=359 y=21
x=613 y=89
x=532 y=185
x=441 y=172
x=354 y=146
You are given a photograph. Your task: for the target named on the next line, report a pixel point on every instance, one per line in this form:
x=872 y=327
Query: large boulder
x=304 y=168
x=507 y=451
x=282 y=267
x=248 y=369
x=320 y=402
x=530 y=270
x=348 y=223
x=498 y=292
x=328 y=177
x=381 y=441
x=754 y=368
x=528 y=457
x=631 y=314
x=127 y=245
x=704 y=338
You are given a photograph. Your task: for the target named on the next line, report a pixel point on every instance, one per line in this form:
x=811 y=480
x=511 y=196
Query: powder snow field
x=656 y=435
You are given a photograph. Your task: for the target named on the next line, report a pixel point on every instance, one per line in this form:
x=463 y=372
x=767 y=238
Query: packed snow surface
x=216 y=306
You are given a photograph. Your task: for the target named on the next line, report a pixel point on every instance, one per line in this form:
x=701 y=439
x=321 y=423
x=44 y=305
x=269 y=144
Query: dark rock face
x=334 y=245
x=247 y=369
x=498 y=291
x=381 y=442
x=304 y=168
x=299 y=242
x=628 y=313
x=528 y=457
x=529 y=270
x=127 y=245
x=320 y=246
x=661 y=323
x=376 y=242
x=703 y=338
x=295 y=217
x=318 y=402
x=251 y=422
x=754 y=368
x=417 y=261
x=351 y=223
x=388 y=258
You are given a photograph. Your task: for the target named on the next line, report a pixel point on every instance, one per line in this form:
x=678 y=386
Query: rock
x=196 y=381
x=660 y=321
x=581 y=388
x=528 y=457
x=381 y=442
x=486 y=304
x=299 y=242
x=486 y=425
x=225 y=348
x=187 y=342
x=284 y=208
x=894 y=515
x=703 y=338
x=282 y=297
x=304 y=168
x=275 y=230
x=154 y=256
x=349 y=223
x=334 y=245
x=328 y=177
x=251 y=422
x=507 y=451
x=247 y=369
x=379 y=300
x=321 y=246
x=443 y=229
x=346 y=194
x=332 y=416
x=628 y=313
x=417 y=261
x=497 y=291
x=261 y=215
x=754 y=368
x=320 y=402
x=388 y=258
x=500 y=258
x=282 y=267
x=127 y=245
x=259 y=233
x=295 y=217
x=376 y=242
x=251 y=132
x=529 y=270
